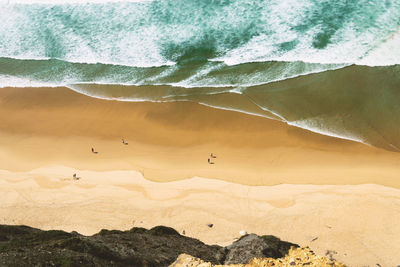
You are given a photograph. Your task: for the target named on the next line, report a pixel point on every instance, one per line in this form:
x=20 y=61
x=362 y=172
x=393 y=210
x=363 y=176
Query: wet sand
x=172 y=141
x=333 y=189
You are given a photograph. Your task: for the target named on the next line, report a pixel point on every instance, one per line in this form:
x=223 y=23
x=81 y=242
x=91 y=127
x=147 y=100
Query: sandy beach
x=172 y=141
x=357 y=222
x=268 y=177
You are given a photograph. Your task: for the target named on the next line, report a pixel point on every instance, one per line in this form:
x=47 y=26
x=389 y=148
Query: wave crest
x=157 y=33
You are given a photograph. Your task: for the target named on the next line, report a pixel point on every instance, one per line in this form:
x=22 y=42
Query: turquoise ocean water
x=329 y=66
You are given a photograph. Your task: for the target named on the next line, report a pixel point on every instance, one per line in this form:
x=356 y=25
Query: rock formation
x=159 y=246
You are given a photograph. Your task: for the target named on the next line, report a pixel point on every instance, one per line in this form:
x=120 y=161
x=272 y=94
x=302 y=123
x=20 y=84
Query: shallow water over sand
x=357 y=103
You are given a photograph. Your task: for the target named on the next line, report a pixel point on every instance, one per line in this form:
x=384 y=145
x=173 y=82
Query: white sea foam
x=63 y=2
x=387 y=53
x=288 y=71
x=80 y=34
x=124 y=99
x=237 y=90
x=318 y=126
x=200 y=80
x=236 y=110
x=138 y=33
x=348 y=45
x=350 y=50
x=7 y=81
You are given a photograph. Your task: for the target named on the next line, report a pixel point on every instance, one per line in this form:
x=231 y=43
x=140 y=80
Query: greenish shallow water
x=356 y=102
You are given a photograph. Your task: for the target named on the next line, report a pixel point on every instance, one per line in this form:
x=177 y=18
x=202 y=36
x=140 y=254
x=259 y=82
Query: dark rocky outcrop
x=159 y=246
x=254 y=246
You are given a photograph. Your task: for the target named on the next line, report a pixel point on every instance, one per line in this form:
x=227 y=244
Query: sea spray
x=203 y=37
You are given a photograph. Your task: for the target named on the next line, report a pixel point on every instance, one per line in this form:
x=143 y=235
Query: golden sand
x=329 y=194
x=171 y=141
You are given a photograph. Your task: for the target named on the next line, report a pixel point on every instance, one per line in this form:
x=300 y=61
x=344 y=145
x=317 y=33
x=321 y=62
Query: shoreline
x=172 y=141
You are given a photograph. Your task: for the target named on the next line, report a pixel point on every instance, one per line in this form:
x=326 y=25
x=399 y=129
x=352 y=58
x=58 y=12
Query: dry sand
x=332 y=189
x=358 y=222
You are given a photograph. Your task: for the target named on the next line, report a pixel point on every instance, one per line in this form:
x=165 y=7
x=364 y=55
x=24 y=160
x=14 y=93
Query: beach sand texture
x=268 y=177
